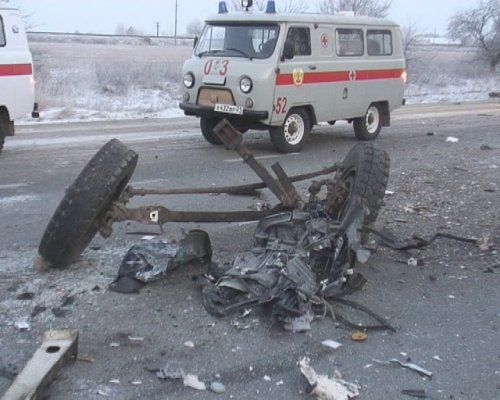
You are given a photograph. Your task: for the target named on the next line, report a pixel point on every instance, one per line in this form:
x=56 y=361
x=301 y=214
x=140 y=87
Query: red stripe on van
x=340 y=76
x=15 y=69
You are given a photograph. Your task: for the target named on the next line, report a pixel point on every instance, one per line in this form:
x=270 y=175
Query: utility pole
x=157 y=23
x=175 y=25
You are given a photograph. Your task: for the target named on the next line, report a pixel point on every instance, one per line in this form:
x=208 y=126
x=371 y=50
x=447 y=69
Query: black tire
x=293 y=134
x=4 y=120
x=365 y=172
x=207 y=126
x=78 y=217
x=2 y=141
x=369 y=126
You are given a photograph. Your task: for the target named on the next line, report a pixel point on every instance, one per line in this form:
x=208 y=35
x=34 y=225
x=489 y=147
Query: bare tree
x=409 y=34
x=288 y=6
x=372 y=8
x=481 y=25
x=194 y=27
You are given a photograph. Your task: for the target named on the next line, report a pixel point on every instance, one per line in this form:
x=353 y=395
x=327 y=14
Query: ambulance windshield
x=243 y=40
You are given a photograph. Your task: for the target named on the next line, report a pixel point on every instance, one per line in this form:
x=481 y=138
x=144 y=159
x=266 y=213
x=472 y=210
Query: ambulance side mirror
x=195 y=41
x=288 y=50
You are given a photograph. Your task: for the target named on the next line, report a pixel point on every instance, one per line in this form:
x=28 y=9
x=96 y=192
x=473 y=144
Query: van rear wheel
x=292 y=135
x=369 y=126
x=207 y=126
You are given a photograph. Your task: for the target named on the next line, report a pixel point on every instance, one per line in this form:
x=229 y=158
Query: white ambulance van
x=17 y=86
x=288 y=72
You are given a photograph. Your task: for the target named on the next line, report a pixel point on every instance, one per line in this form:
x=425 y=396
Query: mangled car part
x=304 y=250
x=57 y=347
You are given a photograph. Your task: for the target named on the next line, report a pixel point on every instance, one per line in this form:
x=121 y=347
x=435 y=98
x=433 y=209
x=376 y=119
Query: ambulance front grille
x=209 y=97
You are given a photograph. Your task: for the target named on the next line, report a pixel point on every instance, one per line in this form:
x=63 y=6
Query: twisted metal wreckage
x=304 y=251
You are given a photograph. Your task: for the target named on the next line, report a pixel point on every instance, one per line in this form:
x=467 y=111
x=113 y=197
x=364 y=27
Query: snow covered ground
x=90 y=79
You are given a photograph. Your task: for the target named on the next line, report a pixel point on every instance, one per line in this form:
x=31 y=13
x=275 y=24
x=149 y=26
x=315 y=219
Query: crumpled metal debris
x=150 y=261
x=299 y=258
x=325 y=388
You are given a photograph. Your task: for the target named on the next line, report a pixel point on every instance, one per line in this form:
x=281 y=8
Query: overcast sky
x=103 y=16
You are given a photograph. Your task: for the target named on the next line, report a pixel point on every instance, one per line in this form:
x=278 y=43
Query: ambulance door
x=349 y=55
x=294 y=87
x=324 y=75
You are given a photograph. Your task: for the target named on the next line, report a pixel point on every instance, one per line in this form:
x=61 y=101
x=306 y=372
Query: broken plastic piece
x=325 y=388
x=451 y=139
x=419 y=393
x=359 y=336
x=192 y=381
x=331 y=343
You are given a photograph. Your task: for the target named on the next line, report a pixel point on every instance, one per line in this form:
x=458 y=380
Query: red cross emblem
x=324 y=40
x=352 y=75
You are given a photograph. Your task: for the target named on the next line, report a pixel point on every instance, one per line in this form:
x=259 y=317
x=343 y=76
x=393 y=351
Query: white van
x=288 y=72
x=17 y=86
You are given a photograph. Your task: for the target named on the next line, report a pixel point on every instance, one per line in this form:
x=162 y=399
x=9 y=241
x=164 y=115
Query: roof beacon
x=246 y=4
x=222 y=7
x=271 y=7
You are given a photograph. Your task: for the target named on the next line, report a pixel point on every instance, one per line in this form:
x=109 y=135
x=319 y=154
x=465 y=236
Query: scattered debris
x=189 y=344
x=413 y=367
x=136 y=338
x=136 y=382
x=192 y=381
x=299 y=324
x=217 y=387
x=437 y=358
x=359 y=336
x=430 y=133
x=451 y=139
x=485 y=147
x=25 y=296
x=331 y=343
x=267 y=378
x=419 y=393
x=325 y=388
x=170 y=372
x=114 y=381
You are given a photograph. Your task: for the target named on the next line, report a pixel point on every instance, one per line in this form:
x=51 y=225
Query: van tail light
x=404 y=76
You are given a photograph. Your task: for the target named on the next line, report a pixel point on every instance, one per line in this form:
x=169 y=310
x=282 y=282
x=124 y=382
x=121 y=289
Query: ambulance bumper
x=206 y=111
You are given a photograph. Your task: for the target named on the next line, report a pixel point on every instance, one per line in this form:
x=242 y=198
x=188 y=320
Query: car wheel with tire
x=207 y=126
x=369 y=126
x=80 y=213
x=293 y=134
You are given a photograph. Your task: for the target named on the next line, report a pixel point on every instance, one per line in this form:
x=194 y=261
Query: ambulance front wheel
x=207 y=126
x=292 y=135
x=368 y=127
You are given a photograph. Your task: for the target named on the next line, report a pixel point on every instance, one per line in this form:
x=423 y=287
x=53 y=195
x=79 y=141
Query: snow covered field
x=96 y=78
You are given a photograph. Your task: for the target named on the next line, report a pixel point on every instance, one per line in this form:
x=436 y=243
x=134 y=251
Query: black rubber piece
x=78 y=217
x=365 y=172
x=207 y=126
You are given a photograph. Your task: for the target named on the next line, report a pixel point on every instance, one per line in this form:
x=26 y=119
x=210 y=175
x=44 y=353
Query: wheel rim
x=372 y=119
x=294 y=129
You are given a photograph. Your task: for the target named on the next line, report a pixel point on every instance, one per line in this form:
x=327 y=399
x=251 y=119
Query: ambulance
x=286 y=73
x=17 y=86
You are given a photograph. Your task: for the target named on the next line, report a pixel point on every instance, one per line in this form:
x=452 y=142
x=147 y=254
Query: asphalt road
x=446 y=310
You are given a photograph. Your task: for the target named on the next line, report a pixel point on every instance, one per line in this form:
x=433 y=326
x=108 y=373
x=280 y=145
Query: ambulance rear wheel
x=369 y=126
x=207 y=126
x=292 y=135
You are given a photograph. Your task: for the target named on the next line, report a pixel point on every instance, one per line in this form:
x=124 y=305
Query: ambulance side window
x=349 y=42
x=379 y=42
x=2 y=33
x=301 y=39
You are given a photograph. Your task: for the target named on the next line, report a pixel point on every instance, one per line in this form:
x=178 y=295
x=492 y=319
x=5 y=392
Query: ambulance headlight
x=246 y=84
x=188 y=80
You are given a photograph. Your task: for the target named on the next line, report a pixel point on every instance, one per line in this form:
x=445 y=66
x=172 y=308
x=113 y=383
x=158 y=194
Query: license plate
x=229 y=108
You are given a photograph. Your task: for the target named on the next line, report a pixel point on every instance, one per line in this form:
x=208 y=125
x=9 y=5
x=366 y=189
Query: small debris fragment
x=136 y=383
x=419 y=393
x=114 y=344
x=280 y=383
x=413 y=367
x=430 y=133
x=485 y=147
x=451 y=139
x=189 y=344
x=192 y=381
x=23 y=325
x=437 y=358
x=170 y=372
x=325 y=388
x=267 y=378
x=115 y=381
x=359 y=336
x=217 y=387
x=136 y=339
x=25 y=296
x=331 y=343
